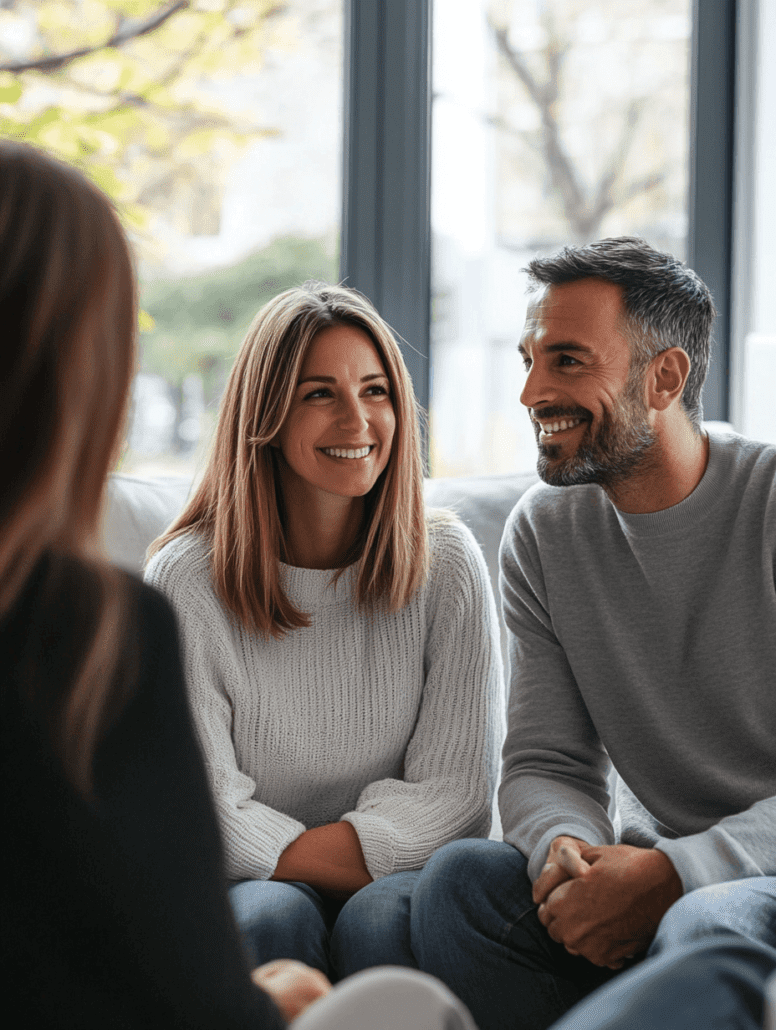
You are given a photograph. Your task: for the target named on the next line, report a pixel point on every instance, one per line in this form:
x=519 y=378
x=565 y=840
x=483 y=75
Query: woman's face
x=338 y=434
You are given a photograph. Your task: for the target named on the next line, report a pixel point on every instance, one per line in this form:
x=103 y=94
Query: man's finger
x=570 y=860
x=551 y=876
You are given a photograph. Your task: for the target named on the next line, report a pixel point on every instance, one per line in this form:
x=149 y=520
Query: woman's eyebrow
x=332 y=379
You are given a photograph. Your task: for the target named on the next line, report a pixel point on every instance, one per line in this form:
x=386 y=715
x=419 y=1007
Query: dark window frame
x=386 y=226
x=710 y=203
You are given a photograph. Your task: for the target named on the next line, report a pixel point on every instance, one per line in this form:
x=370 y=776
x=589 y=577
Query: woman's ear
x=666 y=378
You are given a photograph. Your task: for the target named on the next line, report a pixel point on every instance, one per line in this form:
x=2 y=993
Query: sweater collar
x=695 y=507
x=311 y=587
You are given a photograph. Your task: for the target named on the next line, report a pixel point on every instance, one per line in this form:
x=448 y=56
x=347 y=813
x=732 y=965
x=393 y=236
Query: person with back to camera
x=639 y=594
x=115 y=912
x=340 y=642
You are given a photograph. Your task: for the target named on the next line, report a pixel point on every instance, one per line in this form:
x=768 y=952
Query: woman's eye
x=377 y=389
x=322 y=391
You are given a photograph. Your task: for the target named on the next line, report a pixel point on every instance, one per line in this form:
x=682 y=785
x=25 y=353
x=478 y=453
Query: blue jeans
x=291 y=920
x=707 y=966
x=474 y=925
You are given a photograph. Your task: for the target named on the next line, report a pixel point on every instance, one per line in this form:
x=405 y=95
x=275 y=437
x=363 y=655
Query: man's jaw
x=618 y=446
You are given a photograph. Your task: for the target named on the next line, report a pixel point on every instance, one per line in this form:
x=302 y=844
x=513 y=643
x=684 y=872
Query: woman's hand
x=292 y=985
x=328 y=858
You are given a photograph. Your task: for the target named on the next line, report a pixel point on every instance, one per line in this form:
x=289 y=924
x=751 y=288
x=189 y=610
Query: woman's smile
x=349 y=453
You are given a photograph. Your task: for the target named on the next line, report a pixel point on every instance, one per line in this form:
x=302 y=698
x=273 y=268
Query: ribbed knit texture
x=390 y=721
x=653 y=638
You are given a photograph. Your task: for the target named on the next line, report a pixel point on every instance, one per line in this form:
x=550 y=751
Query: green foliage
x=200 y=322
x=134 y=110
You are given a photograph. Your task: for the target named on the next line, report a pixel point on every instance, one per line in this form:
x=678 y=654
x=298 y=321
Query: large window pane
x=216 y=125
x=554 y=122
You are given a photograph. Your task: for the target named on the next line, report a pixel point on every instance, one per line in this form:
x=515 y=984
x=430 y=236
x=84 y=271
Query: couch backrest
x=139 y=509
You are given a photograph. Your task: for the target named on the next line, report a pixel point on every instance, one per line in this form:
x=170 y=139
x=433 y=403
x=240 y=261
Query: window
x=219 y=127
x=754 y=298
x=387 y=249
x=554 y=122
x=216 y=125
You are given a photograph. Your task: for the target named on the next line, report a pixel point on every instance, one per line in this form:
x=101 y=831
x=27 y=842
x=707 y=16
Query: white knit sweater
x=390 y=721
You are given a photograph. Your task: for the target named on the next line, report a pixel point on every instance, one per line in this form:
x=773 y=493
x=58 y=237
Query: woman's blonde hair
x=238 y=506
x=68 y=312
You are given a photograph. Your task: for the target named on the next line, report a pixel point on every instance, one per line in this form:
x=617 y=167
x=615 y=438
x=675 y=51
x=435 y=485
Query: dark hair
x=666 y=304
x=68 y=312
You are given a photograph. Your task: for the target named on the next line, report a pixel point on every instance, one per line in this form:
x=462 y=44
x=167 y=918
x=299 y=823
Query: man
x=638 y=592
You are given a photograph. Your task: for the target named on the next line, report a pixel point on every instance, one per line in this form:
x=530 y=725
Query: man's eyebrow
x=332 y=379
x=556 y=348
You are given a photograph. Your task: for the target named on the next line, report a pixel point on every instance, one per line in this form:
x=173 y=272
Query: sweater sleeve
x=254 y=834
x=737 y=846
x=555 y=767
x=451 y=761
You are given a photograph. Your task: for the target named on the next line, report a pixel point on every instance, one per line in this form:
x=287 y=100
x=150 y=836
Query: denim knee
x=472 y=873
x=743 y=907
x=280 y=920
x=373 y=928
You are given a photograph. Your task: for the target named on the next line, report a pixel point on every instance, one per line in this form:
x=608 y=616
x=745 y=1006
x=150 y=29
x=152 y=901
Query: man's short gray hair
x=666 y=303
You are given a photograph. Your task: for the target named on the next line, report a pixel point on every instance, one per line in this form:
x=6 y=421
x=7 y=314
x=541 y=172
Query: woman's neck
x=320 y=528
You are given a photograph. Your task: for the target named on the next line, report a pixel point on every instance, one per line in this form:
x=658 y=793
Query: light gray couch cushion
x=137 y=511
x=483 y=503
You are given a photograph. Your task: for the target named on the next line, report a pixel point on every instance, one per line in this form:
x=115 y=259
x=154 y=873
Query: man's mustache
x=546 y=413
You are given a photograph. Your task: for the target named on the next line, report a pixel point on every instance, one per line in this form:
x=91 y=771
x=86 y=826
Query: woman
x=340 y=643
x=114 y=907
x=94 y=709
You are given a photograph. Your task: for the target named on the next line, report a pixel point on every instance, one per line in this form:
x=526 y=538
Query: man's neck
x=675 y=466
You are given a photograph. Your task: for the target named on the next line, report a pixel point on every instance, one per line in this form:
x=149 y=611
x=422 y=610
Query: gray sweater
x=650 y=639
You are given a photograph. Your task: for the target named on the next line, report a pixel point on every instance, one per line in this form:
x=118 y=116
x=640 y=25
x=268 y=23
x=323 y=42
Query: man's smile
x=553 y=427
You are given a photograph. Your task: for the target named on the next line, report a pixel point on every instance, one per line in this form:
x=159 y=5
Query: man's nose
x=538 y=390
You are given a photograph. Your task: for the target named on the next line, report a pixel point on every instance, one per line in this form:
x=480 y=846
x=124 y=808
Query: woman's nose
x=351 y=414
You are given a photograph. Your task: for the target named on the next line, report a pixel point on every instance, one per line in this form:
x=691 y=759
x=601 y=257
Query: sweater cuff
x=377 y=838
x=709 y=857
x=252 y=851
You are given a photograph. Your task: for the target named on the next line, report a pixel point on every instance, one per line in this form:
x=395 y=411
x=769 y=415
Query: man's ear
x=666 y=377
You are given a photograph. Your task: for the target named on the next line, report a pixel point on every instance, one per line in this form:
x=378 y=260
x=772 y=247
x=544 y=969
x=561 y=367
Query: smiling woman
x=341 y=643
x=334 y=444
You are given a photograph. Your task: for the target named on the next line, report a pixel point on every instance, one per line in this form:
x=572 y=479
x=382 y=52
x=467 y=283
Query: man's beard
x=621 y=445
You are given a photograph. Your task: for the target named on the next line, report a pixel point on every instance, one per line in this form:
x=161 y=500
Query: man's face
x=586 y=404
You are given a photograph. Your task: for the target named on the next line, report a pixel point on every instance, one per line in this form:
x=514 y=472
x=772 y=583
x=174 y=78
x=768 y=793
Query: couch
x=138 y=510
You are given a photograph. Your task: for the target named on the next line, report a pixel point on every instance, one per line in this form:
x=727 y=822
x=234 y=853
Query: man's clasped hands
x=604 y=902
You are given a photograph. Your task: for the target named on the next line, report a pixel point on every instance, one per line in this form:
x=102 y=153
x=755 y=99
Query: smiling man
x=639 y=596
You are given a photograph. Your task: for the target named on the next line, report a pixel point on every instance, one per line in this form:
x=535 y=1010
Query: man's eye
x=526 y=363
x=566 y=359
